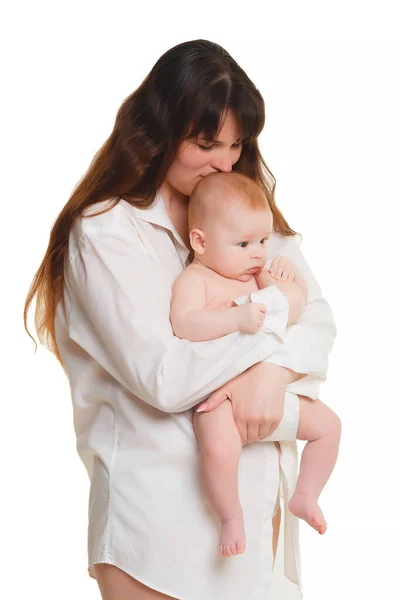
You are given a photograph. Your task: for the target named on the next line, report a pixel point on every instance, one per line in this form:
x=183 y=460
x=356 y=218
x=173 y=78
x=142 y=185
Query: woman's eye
x=206 y=147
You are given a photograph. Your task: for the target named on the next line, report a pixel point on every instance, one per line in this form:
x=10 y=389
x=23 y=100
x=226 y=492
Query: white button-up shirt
x=133 y=385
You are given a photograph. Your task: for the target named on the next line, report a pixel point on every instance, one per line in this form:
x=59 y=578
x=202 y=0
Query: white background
x=329 y=74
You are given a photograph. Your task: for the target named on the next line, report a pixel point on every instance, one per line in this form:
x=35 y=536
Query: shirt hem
x=162 y=590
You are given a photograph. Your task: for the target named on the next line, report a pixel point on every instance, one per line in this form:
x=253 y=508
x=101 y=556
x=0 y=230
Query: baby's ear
x=197 y=240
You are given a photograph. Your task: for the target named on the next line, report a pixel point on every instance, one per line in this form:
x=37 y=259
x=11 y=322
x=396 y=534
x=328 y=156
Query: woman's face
x=197 y=158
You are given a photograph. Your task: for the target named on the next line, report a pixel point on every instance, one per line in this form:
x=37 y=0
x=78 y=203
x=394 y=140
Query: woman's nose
x=223 y=163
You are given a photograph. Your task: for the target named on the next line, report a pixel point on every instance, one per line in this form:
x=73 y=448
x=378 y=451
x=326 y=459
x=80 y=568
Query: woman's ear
x=198 y=240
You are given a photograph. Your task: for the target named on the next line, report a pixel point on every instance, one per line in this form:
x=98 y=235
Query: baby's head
x=229 y=223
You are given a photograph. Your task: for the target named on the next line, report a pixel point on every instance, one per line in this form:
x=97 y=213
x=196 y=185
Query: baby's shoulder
x=188 y=287
x=192 y=275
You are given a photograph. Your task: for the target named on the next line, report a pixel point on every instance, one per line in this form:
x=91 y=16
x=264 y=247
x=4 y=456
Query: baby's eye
x=263 y=240
x=243 y=244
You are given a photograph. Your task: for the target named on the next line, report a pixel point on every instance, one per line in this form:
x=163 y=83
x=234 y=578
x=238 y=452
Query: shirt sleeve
x=120 y=315
x=308 y=341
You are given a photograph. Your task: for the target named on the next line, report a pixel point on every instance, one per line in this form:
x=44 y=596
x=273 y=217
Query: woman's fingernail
x=202 y=407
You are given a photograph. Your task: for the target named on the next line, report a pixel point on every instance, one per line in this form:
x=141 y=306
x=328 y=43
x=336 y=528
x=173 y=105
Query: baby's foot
x=233 y=538
x=307 y=508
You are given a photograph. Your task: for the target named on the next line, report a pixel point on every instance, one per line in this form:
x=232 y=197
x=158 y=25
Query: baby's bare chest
x=220 y=291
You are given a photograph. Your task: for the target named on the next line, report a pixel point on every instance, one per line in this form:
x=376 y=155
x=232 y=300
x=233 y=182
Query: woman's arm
x=315 y=331
x=305 y=352
x=119 y=313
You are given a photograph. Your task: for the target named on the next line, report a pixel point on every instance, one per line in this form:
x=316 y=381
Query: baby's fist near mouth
x=263 y=278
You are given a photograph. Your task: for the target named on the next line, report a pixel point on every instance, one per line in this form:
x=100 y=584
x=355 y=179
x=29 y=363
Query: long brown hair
x=186 y=93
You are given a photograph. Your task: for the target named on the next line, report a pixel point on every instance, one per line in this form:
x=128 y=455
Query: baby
x=229 y=223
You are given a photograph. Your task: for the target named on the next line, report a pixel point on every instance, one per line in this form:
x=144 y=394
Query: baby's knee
x=317 y=420
x=336 y=423
x=331 y=423
x=221 y=448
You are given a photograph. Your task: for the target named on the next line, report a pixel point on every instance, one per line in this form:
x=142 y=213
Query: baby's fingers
x=288 y=273
x=260 y=307
x=276 y=268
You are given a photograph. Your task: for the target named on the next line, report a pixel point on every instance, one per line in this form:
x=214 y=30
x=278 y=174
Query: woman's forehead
x=223 y=130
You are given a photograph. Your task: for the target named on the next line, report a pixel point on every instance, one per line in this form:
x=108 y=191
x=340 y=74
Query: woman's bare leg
x=220 y=448
x=322 y=428
x=115 y=584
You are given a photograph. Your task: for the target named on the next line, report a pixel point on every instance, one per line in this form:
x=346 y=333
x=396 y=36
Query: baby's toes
x=321 y=529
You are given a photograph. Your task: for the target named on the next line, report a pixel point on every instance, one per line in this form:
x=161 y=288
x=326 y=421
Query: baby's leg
x=220 y=447
x=322 y=428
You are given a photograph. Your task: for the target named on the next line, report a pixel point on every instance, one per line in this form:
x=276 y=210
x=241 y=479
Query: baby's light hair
x=219 y=191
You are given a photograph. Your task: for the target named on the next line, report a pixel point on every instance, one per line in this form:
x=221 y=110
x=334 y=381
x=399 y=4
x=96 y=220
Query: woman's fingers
x=252 y=432
x=269 y=427
x=273 y=426
x=264 y=431
x=214 y=400
x=242 y=429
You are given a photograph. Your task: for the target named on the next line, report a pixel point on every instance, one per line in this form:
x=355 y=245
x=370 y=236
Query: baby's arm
x=194 y=320
x=285 y=269
x=295 y=288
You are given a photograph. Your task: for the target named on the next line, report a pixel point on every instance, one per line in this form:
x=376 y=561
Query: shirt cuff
x=277 y=306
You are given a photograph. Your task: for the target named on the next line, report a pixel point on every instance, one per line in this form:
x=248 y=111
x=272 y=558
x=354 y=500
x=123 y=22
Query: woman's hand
x=257 y=398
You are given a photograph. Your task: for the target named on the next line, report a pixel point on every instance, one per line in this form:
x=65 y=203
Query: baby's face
x=236 y=243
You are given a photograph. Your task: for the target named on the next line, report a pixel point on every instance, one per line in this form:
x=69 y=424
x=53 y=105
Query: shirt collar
x=157 y=215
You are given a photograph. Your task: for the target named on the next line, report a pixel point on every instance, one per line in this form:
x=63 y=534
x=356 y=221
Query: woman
x=103 y=301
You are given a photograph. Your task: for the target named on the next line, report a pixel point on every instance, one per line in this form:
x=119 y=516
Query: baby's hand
x=264 y=279
x=251 y=317
x=282 y=268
